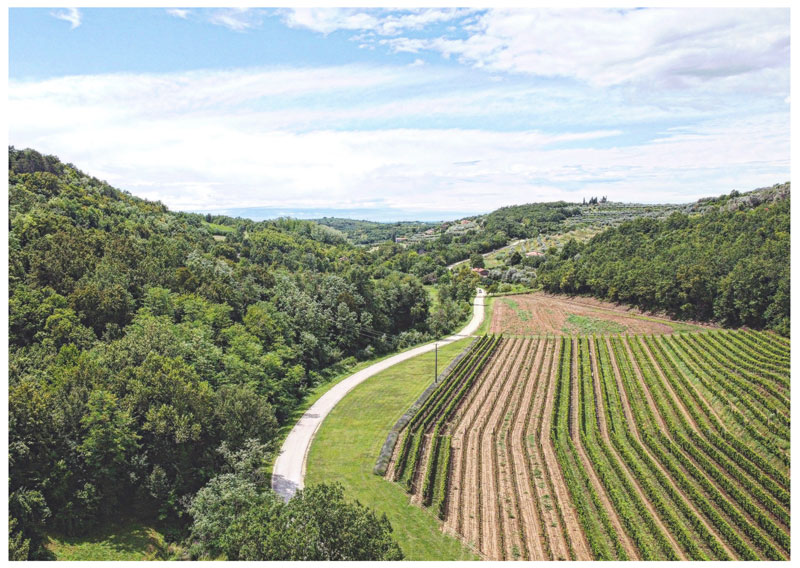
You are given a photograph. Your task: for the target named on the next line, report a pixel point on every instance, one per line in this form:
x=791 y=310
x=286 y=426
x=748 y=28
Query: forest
x=729 y=264
x=148 y=349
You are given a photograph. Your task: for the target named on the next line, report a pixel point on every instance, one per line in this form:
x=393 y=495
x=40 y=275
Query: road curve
x=290 y=466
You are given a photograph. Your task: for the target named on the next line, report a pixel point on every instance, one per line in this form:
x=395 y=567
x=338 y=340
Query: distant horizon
x=411 y=215
x=435 y=109
x=311 y=214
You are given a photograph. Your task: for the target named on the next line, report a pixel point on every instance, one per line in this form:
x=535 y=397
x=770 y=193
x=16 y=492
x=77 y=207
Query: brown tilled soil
x=541 y=313
x=569 y=514
x=500 y=527
x=528 y=502
x=462 y=515
x=507 y=498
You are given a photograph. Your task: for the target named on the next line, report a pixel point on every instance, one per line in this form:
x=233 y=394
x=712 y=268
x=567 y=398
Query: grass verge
x=122 y=541
x=349 y=441
x=483 y=329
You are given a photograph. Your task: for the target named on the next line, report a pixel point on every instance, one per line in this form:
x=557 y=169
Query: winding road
x=290 y=466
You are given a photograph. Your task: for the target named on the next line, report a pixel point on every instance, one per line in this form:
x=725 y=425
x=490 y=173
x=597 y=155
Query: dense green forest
x=142 y=341
x=362 y=232
x=729 y=263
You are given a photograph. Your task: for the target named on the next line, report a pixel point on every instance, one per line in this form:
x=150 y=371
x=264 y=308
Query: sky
x=408 y=113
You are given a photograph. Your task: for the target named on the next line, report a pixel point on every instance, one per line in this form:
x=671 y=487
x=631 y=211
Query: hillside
x=152 y=353
x=143 y=341
x=729 y=263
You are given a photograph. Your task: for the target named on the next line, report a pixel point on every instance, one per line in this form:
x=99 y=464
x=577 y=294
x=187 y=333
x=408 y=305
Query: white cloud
x=679 y=49
x=236 y=19
x=71 y=15
x=205 y=140
x=181 y=13
x=383 y=22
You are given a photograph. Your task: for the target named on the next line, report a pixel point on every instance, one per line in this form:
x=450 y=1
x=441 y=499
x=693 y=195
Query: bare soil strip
x=470 y=490
x=537 y=542
x=627 y=544
x=455 y=521
x=541 y=313
x=635 y=430
x=494 y=529
x=526 y=444
x=553 y=469
x=600 y=406
x=515 y=546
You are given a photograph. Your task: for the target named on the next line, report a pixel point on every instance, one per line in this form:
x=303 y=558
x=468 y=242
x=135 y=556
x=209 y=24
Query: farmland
x=541 y=314
x=642 y=447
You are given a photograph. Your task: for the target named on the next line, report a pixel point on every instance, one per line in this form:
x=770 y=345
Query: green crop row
x=600 y=534
x=732 y=440
x=631 y=510
x=714 y=494
x=443 y=481
x=613 y=412
x=687 y=362
x=731 y=379
x=626 y=374
x=652 y=438
x=705 y=342
x=772 y=345
x=430 y=474
x=730 y=341
x=718 y=442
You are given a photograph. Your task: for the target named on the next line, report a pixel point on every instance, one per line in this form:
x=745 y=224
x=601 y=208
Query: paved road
x=290 y=466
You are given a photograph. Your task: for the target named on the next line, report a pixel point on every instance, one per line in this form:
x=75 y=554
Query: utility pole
x=436 y=358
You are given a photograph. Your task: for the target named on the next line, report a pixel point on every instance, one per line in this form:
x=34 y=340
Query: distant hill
x=725 y=259
x=369 y=232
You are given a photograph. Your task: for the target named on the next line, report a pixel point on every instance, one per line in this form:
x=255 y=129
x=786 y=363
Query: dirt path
x=528 y=444
x=468 y=509
x=455 y=519
x=553 y=469
x=627 y=544
x=529 y=502
x=600 y=406
x=631 y=422
x=501 y=530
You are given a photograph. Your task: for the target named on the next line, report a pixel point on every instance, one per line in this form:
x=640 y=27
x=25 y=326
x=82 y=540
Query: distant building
x=482 y=272
x=534 y=253
x=400 y=239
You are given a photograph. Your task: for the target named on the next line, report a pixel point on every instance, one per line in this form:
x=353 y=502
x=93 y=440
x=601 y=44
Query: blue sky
x=423 y=110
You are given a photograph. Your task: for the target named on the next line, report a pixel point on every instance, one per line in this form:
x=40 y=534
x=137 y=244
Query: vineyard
x=638 y=447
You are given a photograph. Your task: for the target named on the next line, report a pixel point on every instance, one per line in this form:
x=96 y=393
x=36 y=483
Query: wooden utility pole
x=436 y=358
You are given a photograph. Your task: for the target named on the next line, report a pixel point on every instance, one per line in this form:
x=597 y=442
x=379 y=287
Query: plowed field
x=649 y=447
x=541 y=314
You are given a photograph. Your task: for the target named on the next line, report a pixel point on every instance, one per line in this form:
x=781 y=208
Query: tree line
x=728 y=264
